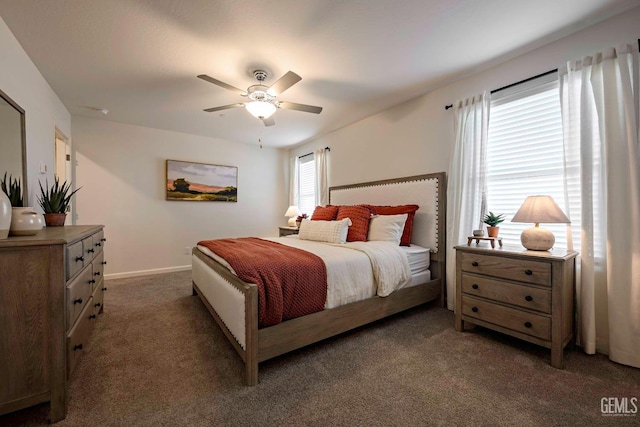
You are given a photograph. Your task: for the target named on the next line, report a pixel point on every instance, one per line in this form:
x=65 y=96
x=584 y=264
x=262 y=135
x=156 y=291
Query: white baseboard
x=146 y=272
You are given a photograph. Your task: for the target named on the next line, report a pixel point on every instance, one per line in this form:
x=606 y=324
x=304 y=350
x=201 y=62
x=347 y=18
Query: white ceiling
x=140 y=58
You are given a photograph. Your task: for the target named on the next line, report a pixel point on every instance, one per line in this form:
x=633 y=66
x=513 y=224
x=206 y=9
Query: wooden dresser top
x=52 y=236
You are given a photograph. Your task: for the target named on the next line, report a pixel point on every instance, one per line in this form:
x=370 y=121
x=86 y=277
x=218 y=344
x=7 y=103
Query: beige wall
x=121 y=169
x=22 y=82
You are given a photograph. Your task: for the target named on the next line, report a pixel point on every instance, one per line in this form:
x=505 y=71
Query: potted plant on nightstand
x=55 y=202
x=492 y=222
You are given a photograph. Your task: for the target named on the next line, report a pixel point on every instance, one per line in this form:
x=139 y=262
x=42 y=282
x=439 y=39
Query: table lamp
x=539 y=209
x=292 y=213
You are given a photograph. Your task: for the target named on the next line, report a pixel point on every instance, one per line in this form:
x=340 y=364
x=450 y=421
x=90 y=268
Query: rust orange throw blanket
x=291 y=282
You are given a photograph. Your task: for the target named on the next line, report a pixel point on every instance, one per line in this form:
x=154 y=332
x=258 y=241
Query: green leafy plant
x=493 y=220
x=13 y=190
x=56 y=199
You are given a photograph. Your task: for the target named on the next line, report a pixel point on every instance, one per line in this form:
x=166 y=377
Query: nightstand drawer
x=521 y=321
x=536 y=272
x=507 y=292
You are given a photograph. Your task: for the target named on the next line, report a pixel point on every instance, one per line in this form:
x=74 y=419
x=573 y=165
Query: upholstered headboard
x=427 y=191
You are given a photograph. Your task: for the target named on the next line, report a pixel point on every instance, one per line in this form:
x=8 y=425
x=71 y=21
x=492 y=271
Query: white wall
x=121 y=169
x=22 y=82
x=417 y=137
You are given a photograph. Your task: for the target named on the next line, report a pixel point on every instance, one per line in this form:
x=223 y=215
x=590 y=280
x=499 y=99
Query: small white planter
x=26 y=222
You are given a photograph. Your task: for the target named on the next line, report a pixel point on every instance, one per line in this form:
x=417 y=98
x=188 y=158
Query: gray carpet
x=157 y=358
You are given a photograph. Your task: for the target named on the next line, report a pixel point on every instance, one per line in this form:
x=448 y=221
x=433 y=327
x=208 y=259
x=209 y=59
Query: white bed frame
x=234 y=303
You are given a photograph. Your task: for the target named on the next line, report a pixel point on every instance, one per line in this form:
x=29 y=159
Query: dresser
x=525 y=294
x=51 y=296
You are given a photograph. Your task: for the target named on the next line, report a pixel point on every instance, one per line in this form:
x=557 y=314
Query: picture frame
x=200 y=182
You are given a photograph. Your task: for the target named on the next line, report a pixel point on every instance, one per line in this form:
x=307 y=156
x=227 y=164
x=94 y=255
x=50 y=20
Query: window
x=525 y=154
x=306 y=184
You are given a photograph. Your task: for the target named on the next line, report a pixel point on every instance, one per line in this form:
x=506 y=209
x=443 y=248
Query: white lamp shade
x=539 y=209
x=260 y=109
x=292 y=211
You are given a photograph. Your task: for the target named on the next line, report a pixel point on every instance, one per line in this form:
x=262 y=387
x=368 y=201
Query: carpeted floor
x=157 y=358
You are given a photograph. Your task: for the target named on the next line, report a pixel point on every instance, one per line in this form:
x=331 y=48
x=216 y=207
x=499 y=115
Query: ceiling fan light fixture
x=260 y=109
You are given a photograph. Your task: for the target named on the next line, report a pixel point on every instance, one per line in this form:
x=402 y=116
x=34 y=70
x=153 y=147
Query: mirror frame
x=23 y=133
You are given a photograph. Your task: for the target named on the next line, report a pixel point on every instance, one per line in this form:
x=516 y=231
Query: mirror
x=13 y=150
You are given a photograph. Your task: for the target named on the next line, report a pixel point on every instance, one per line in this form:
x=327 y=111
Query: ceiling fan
x=263 y=100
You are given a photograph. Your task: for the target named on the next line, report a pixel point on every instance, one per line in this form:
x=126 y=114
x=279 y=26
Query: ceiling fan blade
x=268 y=121
x=222 y=84
x=224 y=107
x=299 y=107
x=284 y=83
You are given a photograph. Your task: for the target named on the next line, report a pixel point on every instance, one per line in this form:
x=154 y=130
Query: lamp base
x=537 y=238
x=292 y=221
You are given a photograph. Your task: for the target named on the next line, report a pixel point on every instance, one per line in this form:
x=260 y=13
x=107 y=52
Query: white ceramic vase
x=26 y=222
x=5 y=215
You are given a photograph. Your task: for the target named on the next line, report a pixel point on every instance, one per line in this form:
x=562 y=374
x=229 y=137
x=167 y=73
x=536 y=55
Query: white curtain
x=322 y=188
x=466 y=189
x=293 y=181
x=600 y=125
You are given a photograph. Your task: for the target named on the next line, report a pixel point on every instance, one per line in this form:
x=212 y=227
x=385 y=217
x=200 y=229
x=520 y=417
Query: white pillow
x=387 y=228
x=325 y=231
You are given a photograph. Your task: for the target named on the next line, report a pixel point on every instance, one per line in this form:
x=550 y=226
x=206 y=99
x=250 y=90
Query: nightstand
x=288 y=231
x=525 y=294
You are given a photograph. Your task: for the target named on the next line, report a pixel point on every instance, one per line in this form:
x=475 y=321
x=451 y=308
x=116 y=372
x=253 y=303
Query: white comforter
x=355 y=270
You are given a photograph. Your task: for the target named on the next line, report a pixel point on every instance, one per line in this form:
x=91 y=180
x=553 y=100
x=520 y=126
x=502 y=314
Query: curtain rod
x=520 y=82
x=308 y=154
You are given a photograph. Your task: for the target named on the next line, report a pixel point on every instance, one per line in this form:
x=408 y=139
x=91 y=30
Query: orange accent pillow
x=410 y=210
x=326 y=213
x=360 y=216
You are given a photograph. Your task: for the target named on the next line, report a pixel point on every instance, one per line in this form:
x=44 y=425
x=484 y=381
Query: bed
x=233 y=303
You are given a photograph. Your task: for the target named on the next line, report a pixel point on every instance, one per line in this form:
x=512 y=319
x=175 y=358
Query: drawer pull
x=92 y=281
x=77 y=301
x=90 y=251
x=528 y=272
x=97 y=273
x=79 y=258
x=97 y=304
x=474 y=309
x=104 y=289
x=93 y=316
x=77 y=347
x=104 y=263
x=474 y=286
x=103 y=239
x=529 y=298
x=527 y=324
x=474 y=263
x=98 y=244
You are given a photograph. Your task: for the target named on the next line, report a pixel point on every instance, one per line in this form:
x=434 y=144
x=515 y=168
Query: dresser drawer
x=89 y=250
x=529 y=271
x=507 y=292
x=521 y=321
x=75 y=259
x=98 y=267
x=79 y=336
x=78 y=293
x=98 y=298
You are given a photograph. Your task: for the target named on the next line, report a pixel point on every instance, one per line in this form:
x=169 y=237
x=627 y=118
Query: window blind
x=306 y=184
x=525 y=154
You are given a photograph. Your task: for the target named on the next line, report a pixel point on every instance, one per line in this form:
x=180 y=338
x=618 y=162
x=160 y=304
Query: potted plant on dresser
x=55 y=201
x=492 y=222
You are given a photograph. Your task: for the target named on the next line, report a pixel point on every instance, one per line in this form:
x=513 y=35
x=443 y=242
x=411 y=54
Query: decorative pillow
x=410 y=210
x=360 y=216
x=325 y=231
x=324 y=213
x=387 y=228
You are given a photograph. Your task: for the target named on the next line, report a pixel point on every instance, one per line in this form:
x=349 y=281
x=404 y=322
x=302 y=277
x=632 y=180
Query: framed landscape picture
x=201 y=182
